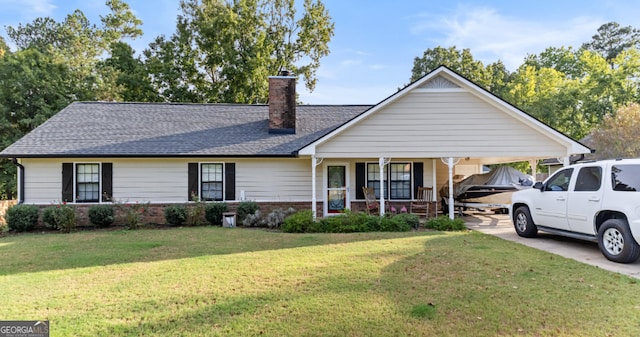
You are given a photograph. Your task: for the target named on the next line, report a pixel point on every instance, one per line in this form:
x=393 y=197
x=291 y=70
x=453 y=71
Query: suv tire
x=616 y=242
x=523 y=223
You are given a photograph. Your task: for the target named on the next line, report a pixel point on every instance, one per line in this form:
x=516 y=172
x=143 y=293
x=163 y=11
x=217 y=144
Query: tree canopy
x=224 y=51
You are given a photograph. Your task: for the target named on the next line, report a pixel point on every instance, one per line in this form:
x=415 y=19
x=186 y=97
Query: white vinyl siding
x=440 y=124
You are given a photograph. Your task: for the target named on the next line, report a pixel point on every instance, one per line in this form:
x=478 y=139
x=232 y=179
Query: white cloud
x=491 y=36
x=30 y=8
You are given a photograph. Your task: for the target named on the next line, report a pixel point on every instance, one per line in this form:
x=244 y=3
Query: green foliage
x=101 y=215
x=223 y=51
x=443 y=223
x=64 y=216
x=412 y=220
x=175 y=215
x=299 y=222
x=245 y=208
x=195 y=212
x=213 y=212
x=22 y=218
x=348 y=222
x=611 y=40
x=132 y=214
x=48 y=218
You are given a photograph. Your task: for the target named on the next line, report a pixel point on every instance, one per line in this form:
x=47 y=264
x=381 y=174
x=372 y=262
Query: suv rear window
x=625 y=178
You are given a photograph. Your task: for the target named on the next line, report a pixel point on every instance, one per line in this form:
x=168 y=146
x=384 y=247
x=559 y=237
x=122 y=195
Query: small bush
x=299 y=222
x=64 y=217
x=254 y=220
x=22 y=218
x=443 y=223
x=348 y=222
x=245 y=208
x=275 y=219
x=175 y=215
x=213 y=213
x=394 y=224
x=195 y=212
x=48 y=219
x=101 y=215
x=410 y=219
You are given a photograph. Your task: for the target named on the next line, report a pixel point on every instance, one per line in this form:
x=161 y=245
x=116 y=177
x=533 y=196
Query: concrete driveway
x=586 y=252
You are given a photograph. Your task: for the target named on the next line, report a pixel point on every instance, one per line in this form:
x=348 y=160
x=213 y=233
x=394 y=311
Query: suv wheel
x=616 y=242
x=523 y=223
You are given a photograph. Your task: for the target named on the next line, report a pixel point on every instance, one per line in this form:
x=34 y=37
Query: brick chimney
x=282 y=103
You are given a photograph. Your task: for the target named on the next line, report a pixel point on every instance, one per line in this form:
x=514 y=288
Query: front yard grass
x=211 y=281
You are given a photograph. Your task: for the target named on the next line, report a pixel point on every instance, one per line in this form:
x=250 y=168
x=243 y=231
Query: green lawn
x=210 y=281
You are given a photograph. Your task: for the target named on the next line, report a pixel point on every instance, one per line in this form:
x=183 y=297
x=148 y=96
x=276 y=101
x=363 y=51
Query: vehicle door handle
x=561 y=199
x=594 y=199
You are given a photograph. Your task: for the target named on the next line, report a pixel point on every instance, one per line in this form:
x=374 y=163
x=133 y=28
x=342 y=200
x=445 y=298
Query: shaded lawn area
x=210 y=281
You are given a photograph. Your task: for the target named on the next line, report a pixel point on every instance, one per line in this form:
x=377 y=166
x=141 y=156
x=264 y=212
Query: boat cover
x=500 y=178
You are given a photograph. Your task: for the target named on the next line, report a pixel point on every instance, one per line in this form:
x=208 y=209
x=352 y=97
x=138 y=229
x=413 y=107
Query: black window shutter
x=230 y=181
x=418 y=177
x=67 y=182
x=192 y=183
x=107 y=182
x=361 y=174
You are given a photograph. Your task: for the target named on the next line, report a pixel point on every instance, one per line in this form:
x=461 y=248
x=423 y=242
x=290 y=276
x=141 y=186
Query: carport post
x=450 y=164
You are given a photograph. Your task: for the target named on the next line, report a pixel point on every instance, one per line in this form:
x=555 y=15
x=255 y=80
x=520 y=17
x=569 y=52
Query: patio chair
x=370 y=197
x=421 y=205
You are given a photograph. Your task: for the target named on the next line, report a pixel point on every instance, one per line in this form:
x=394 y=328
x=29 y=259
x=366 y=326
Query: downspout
x=20 y=180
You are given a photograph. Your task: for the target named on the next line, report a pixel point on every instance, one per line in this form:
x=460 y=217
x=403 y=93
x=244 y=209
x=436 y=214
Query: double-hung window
x=396 y=180
x=87 y=182
x=211 y=182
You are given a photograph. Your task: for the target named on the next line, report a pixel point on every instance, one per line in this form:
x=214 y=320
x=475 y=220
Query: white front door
x=336 y=189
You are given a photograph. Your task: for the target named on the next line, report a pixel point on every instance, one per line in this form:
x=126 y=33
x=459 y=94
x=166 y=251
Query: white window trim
x=75 y=182
x=224 y=180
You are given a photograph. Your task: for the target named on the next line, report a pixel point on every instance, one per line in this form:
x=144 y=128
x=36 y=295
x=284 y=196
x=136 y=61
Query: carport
x=439 y=125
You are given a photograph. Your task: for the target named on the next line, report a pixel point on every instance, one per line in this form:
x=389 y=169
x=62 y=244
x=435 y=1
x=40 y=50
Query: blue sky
x=376 y=41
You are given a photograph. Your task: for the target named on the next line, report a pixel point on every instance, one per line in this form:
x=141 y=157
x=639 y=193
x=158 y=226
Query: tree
x=131 y=75
x=611 y=40
x=618 y=134
x=4 y=49
x=224 y=51
x=492 y=77
x=80 y=44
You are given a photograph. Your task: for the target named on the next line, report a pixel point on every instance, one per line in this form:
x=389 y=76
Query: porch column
x=450 y=164
x=534 y=168
x=381 y=164
x=314 y=163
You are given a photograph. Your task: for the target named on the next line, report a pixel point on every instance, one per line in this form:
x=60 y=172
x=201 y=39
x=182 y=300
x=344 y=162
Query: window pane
x=211 y=181
x=87 y=182
x=589 y=179
x=559 y=181
x=625 y=178
x=400 y=184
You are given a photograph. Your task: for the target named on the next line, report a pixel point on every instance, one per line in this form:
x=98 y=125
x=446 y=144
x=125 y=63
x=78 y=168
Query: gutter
x=21 y=180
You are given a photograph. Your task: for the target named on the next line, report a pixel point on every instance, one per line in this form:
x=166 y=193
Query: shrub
x=299 y=222
x=276 y=217
x=410 y=219
x=175 y=215
x=245 y=208
x=443 y=223
x=22 y=218
x=348 y=222
x=132 y=213
x=48 y=219
x=393 y=224
x=194 y=212
x=254 y=220
x=101 y=215
x=64 y=217
x=213 y=213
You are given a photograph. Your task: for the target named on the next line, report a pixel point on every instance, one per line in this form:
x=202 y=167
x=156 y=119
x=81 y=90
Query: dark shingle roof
x=100 y=129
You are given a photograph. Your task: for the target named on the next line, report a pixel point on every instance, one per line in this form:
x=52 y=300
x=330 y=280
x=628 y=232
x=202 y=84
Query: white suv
x=596 y=201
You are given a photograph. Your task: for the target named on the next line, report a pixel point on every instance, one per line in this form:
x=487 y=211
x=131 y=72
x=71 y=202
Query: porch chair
x=370 y=197
x=422 y=203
